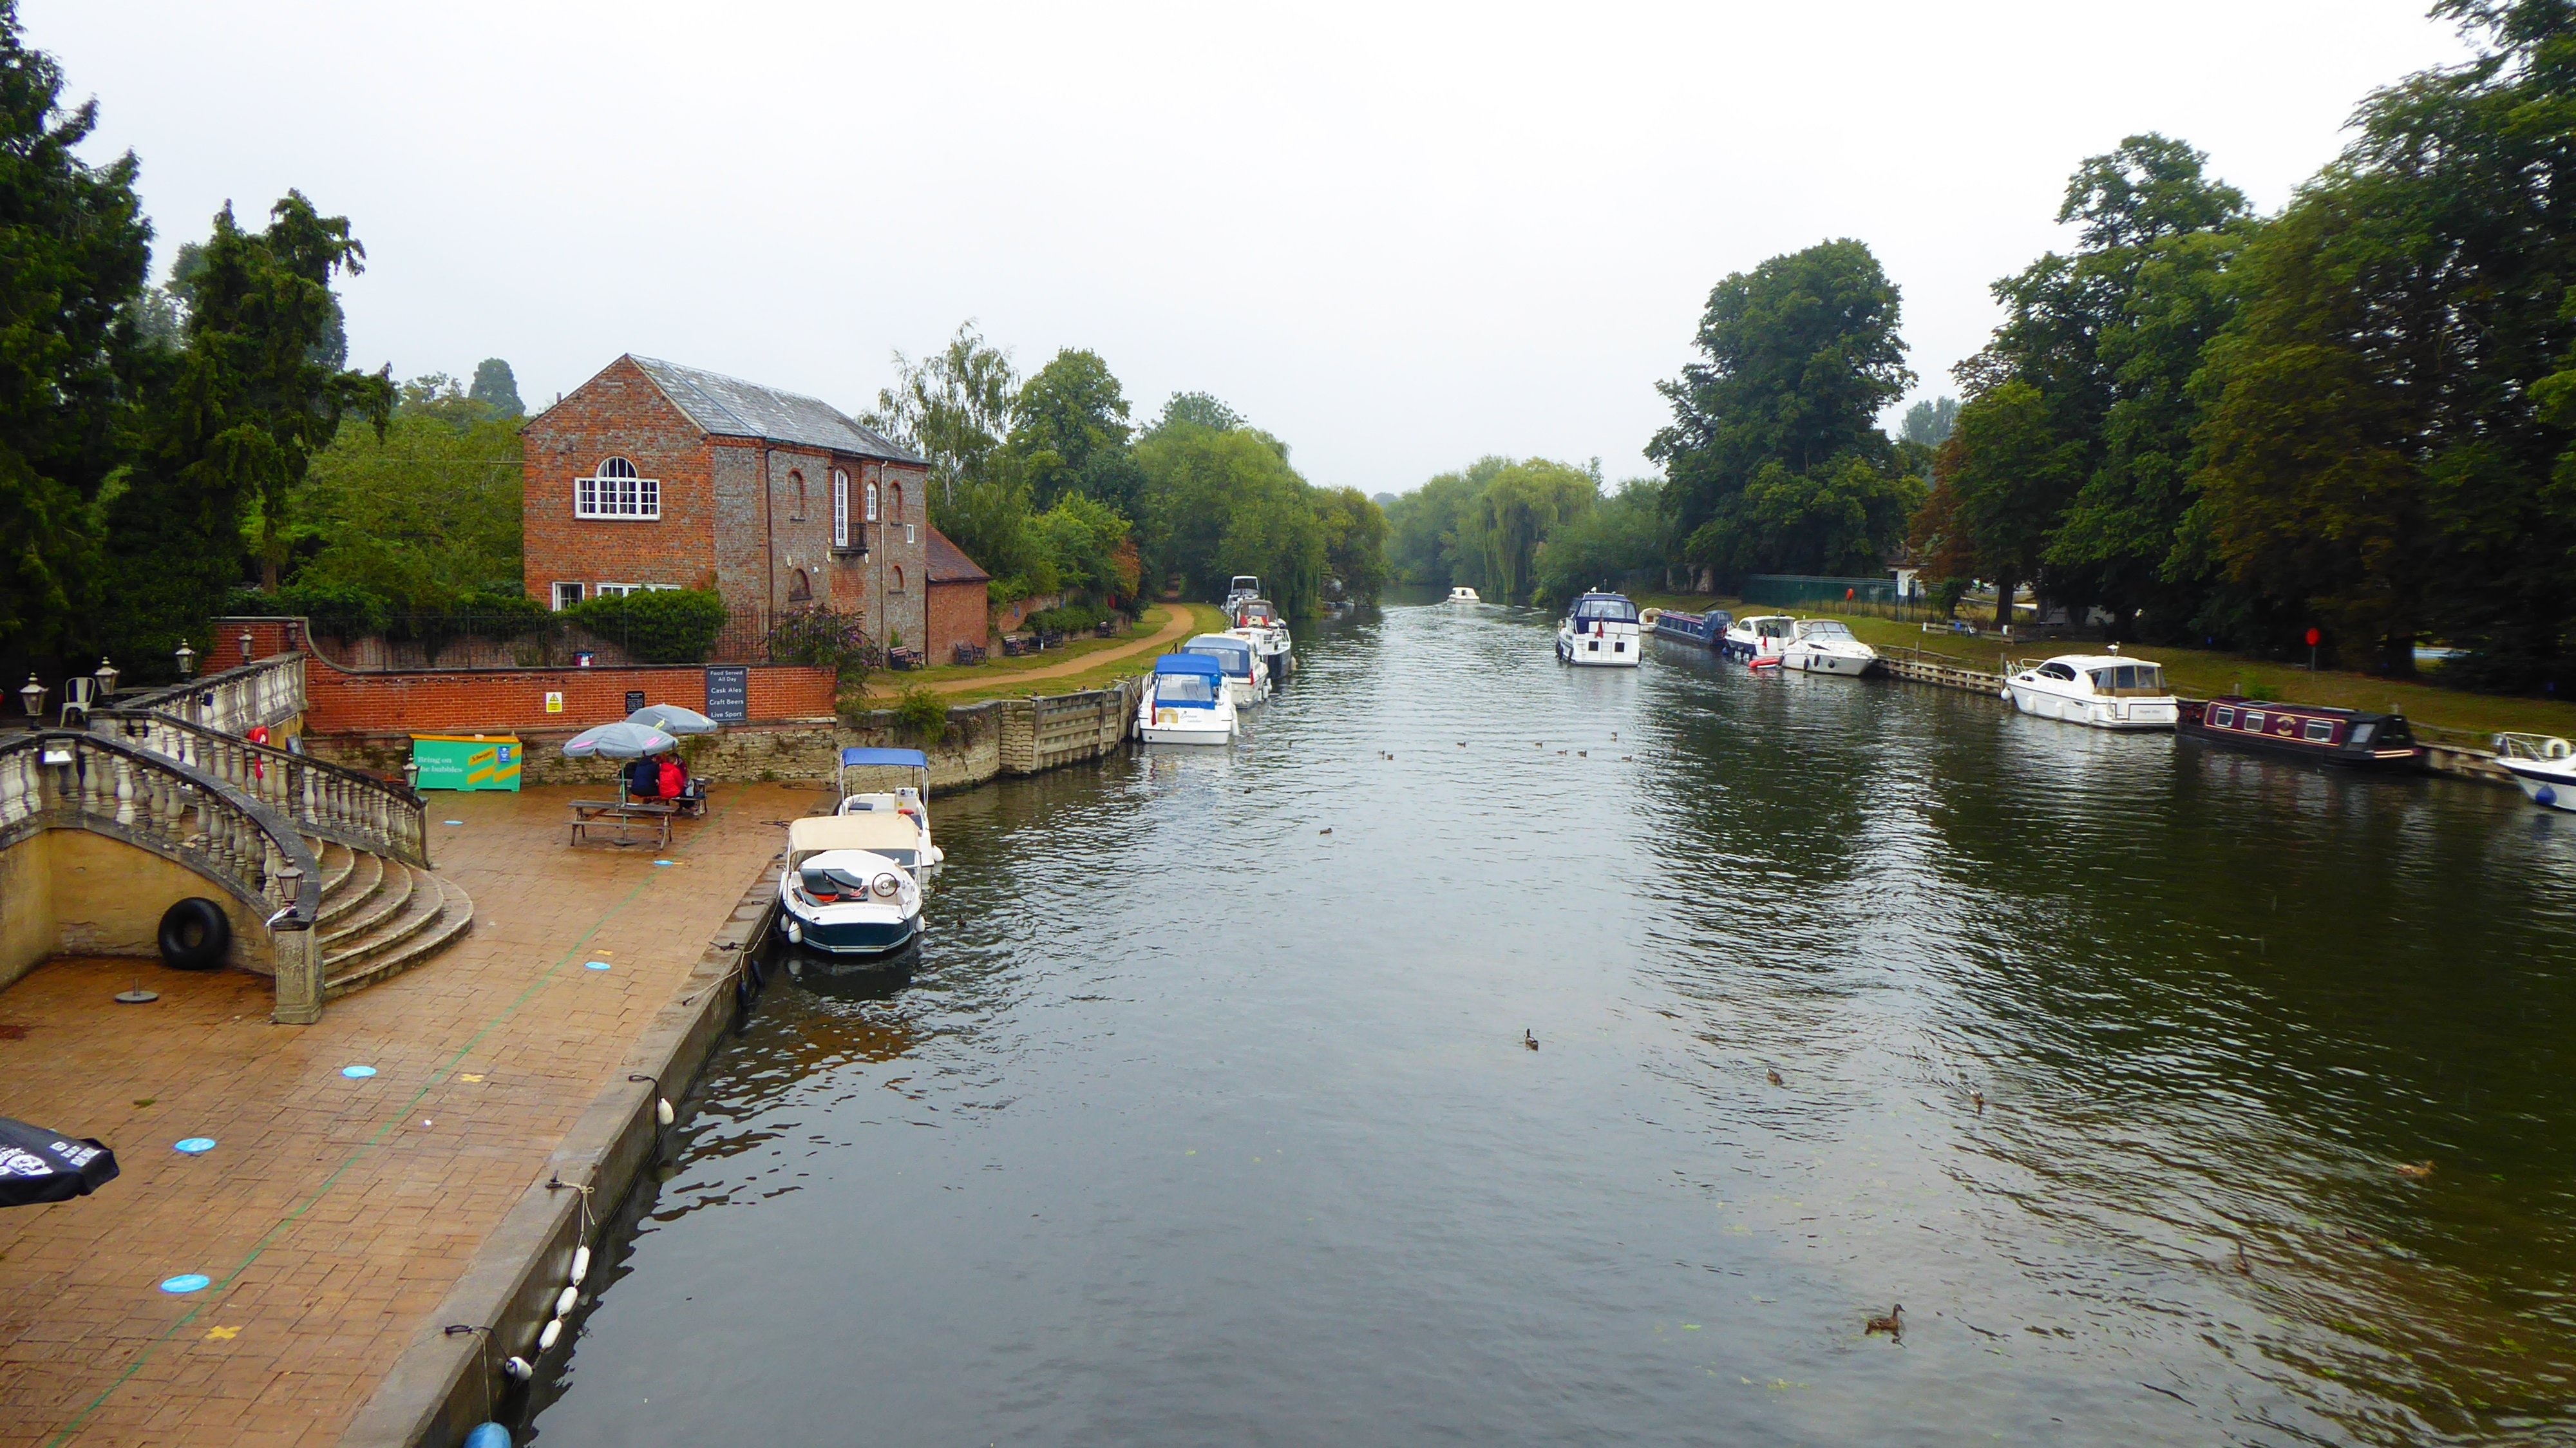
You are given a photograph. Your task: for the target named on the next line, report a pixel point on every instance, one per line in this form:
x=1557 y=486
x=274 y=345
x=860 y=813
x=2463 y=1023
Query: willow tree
x=1503 y=525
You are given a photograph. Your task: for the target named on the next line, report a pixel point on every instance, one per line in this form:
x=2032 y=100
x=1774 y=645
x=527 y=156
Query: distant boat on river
x=2306 y=731
x=2101 y=691
x=1705 y=629
x=1463 y=594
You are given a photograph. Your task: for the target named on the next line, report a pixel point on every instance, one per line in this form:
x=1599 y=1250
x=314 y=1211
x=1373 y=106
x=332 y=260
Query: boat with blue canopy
x=1245 y=677
x=907 y=803
x=1187 y=701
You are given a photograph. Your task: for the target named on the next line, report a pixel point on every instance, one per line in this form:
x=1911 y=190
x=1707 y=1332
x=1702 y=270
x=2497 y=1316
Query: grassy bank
x=2454 y=715
x=995 y=680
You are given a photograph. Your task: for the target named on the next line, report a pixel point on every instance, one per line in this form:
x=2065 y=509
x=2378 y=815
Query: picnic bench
x=1050 y=639
x=969 y=653
x=624 y=816
x=1018 y=646
x=903 y=658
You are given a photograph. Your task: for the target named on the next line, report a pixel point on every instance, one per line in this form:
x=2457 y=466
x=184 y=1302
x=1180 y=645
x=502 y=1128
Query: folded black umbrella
x=43 y=1166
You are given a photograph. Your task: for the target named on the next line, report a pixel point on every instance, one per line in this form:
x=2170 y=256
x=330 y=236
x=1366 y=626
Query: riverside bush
x=923 y=715
x=668 y=626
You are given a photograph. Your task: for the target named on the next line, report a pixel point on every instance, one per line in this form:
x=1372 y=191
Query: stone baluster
x=124 y=790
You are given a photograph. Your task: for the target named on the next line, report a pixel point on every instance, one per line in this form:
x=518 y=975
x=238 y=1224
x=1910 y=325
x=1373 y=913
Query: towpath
x=1174 y=629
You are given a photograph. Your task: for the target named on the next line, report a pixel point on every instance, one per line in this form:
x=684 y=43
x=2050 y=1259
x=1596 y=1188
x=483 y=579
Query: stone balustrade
x=326 y=801
x=264 y=693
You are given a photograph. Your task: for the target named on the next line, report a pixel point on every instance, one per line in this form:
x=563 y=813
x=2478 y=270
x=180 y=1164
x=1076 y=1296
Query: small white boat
x=845 y=891
x=1258 y=620
x=1247 y=681
x=1463 y=594
x=2543 y=764
x=1243 y=588
x=2102 y=691
x=1598 y=630
x=1186 y=702
x=1757 y=638
x=908 y=803
x=1827 y=646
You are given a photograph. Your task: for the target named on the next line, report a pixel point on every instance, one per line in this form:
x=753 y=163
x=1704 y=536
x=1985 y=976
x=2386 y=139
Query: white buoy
x=546 y=1335
x=580 y=1264
x=663 y=1110
x=566 y=1300
x=516 y=1369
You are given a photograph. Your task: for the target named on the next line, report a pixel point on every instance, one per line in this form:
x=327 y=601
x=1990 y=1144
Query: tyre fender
x=195 y=934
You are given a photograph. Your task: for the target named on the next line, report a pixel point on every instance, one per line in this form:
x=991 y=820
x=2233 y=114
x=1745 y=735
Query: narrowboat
x=2544 y=765
x=1186 y=702
x=1705 y=629
x=1599 y=630
x=1828 y=646
x=1758 y=636
x=2306 y=731
x=2100 y=691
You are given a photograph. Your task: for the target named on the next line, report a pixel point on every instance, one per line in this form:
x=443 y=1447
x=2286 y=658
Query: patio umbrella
x=41 y=1166
x=673 y=719
x=621 y=740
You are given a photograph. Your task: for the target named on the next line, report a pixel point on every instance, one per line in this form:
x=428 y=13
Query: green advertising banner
x=461 y=761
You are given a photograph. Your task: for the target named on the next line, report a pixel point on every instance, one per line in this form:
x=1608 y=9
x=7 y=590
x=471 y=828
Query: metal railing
x=326 y=801
x=68 y=779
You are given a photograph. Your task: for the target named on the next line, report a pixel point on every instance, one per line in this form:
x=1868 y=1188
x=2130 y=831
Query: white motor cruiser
x=1757 y=638
x=1463 y=594
x=847 y=890
x=1186 y=702
x=2102 y=691
x=1244 y=588
x=2543 y=764
x=1599 y=630
x=1258 y=620
x=1247 y=680
x=907 y=803
x=1827 y=646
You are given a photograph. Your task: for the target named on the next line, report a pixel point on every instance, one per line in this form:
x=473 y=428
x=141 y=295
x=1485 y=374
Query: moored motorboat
x=2102 y=691
x=2543 y=765
x=1258 y=620
x=1186 y=702
x=1705 y=629
x=845 y=890
x=1598 y=630
x=1463 y=594
x=1243 y=587
x=1757 y=638
x=1247 y=680
x=908 y=803
x=1827 y=646
x=2348 y=737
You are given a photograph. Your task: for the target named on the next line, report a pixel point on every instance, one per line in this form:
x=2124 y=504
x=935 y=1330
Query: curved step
x=366 y=875
x=442 y=926
x=420 y=908
x=335 y=860
x=385 y=904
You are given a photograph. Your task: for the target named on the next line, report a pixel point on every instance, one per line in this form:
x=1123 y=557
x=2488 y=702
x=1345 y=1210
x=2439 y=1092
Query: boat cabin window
x=2055 y=670
x=2395 y=735
x=2129 y=679
x=2254 y=720
x=1604 y=610
x=1184 y=689
x=1825 y=628
x=2362 y=731
x=2224 y=716
x=2318 y=731
x=1774 y=628
x=1236 y=658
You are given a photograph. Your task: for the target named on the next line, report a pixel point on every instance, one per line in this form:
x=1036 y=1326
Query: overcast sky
x=1399 y=238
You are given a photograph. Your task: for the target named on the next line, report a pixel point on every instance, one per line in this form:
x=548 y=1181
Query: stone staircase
x=380 y=916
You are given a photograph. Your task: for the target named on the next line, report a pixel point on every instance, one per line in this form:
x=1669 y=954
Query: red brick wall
x=619 y=412
x=957 y=615
x=1018 y=613
x=465 y=701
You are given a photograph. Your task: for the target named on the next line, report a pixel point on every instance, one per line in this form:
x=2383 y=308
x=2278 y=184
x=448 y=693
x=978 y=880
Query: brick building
x=652 y=475
x=957 y=599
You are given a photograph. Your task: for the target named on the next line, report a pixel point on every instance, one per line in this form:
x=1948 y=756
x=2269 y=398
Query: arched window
x=797 y=477
x=898 y=579
x=872 y=502
x=840 y=509
x=614 y=490
x=894 y=503
x=800 y=589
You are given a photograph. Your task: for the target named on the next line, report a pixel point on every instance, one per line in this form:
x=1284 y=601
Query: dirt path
x=1174 y=629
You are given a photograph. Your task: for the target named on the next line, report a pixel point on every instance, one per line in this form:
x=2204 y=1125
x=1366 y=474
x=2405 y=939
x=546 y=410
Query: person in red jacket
x=675 y=780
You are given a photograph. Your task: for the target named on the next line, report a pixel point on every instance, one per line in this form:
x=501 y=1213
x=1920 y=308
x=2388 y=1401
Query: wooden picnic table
x=623 y=816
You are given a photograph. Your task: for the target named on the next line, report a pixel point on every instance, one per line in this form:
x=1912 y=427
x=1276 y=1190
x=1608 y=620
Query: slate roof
x=730 y=407
x=948 y=563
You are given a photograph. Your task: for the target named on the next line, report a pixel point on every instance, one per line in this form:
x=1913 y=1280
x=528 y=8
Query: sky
x=1398 y=237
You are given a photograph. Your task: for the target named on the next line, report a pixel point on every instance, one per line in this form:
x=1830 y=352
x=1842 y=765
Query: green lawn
x=2453 y=715
x=1206 y=618
x=997 y=664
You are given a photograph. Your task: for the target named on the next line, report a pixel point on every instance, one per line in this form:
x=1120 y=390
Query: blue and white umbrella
x=45 y=1166
x=621 y=740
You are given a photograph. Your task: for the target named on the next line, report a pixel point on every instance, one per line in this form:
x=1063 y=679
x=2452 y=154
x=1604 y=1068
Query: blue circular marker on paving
x=357 y=1073
x=451 y=822
x=196 y=1145
x=594 y=965
x=187 y=1282
x=661 y=862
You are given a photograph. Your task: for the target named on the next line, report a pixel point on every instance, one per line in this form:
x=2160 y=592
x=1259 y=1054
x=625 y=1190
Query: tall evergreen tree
x=496 y=388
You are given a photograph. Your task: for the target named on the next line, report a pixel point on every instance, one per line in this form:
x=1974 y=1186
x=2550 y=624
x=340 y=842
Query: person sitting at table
x=644 y=779
x=674 y=779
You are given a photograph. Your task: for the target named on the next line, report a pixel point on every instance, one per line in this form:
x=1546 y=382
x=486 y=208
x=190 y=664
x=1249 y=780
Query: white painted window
x=840 y=509
x=567 y=594
x=907 y=533
x=872 y=502
x=660 y=587
x=616 y=491
x=613 y=590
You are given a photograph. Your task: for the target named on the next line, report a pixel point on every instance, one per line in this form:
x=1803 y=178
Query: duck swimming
x=1774 y=1076
x=1528 y=1039
x=1893 y=1324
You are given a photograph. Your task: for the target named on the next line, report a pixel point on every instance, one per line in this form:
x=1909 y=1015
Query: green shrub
x=669 y=626
x=1067 y=618
x=825 y=639
x=923 y=715
x=338 y=610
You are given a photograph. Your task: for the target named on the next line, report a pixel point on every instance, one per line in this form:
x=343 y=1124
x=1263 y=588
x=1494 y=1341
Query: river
x=1206 y=1115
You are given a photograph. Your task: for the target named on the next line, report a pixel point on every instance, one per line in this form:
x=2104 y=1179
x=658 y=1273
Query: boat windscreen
x=1235 y=654
x=1604 y=610
x=1826 y=628
x=1186 y=691
x=2129 y=679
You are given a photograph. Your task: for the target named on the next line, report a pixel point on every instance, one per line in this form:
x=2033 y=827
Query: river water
x=1206 y=1116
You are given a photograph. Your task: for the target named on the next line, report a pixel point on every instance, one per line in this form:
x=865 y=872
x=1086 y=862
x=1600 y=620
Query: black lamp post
x=33 y=696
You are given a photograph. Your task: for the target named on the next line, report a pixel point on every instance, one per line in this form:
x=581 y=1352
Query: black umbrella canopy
x=45 y=1166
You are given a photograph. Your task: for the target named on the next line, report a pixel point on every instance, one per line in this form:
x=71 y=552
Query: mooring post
x=299 y=973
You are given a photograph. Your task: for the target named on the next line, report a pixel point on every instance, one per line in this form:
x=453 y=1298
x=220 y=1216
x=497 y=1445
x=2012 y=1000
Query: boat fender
x=662 y=1111
x=549 y=1334
x=488 y=1435
x=795 y=936
x=516 y=1369
x=759 y=977
x=741 y=1002
x=580 y=1264
x=2004 y=693
x=567 y=1300
x=2545 y=796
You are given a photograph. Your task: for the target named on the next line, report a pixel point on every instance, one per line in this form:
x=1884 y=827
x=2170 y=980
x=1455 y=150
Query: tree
x=1622 y=536
x=1354 y=542
x=74 y=250
x=953 y=407
x=1070 y=433
x=497 y=389
x=1196 y=409
x=1517 y=509
x=1422 y=528
x=1218 y=503
x=1801 y=356
x=424 y=516
x=1928 y=423
x=2007 y=473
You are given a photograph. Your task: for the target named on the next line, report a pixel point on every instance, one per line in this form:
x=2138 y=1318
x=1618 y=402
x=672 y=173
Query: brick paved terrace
x=333 y=1214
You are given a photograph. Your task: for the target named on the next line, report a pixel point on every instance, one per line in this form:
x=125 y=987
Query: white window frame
x=580 y=592
x=614 y=492
x=907 y=534
x=613 y=590
x=661 y=587
x=872 y=502
x=840 y=508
